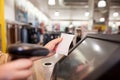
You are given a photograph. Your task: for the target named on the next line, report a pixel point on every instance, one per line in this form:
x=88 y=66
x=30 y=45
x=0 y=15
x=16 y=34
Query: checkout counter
x=96 y=57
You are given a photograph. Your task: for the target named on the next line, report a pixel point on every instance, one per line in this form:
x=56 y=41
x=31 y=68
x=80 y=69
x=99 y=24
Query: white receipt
x=63 y=46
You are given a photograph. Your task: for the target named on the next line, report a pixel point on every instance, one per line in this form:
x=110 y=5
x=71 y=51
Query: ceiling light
x=115 y=14
x=87 y=14
x=102 y=19
x=102 y=3
x=51 y=2
x=57 y=13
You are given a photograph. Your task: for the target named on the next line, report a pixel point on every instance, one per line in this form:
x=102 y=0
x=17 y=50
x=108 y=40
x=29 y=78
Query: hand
x=16 y=70
x=51 y=46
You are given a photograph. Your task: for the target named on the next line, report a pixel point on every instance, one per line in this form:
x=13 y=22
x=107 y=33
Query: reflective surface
x=89 y=55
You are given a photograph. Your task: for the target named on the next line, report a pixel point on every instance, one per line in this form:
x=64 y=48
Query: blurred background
x=39 y=21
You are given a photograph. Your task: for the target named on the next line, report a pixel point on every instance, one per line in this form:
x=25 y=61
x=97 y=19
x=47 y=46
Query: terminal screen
x=87 y=56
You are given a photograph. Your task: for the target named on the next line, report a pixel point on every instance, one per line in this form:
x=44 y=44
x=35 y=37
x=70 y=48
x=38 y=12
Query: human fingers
x=51 y=47
x=19 y=75
x=52 y=44
x=56 y=41
x=19 y=64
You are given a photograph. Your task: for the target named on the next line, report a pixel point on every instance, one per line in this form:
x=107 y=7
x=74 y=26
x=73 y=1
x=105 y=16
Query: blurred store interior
x=39 y=21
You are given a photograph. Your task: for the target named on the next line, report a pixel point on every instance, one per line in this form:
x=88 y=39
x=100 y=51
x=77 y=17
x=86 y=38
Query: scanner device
x=26 y=51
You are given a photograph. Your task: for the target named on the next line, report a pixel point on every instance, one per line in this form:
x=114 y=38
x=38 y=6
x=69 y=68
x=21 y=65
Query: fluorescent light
x=87 y=14
x=115 y=14
x=102 y=19
x=102 y=3
x=51 y=2
x=57 y=13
